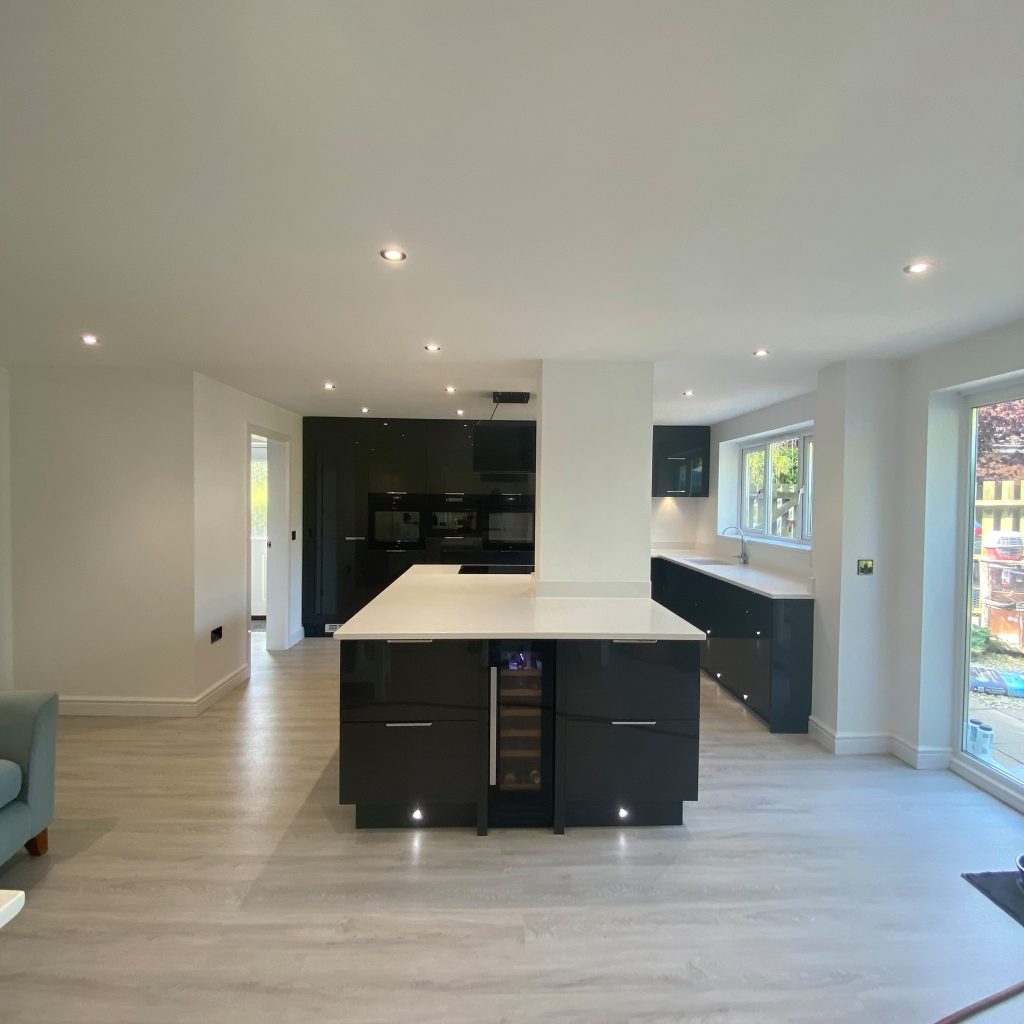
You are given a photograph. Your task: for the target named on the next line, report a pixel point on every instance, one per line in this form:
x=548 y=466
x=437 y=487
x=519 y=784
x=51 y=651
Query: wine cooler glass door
x=523 y=749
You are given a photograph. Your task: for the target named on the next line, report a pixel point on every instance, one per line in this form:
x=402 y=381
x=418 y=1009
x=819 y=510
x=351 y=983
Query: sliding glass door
x=994 y=702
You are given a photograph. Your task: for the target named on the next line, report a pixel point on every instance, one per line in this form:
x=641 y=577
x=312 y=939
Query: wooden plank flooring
x=202 y=871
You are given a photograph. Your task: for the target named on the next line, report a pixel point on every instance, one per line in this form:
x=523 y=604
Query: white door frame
x=278 y=536
x=982 y=775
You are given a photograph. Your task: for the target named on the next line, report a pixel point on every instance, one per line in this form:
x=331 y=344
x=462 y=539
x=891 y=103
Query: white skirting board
x=155 y=707
x=842 y=744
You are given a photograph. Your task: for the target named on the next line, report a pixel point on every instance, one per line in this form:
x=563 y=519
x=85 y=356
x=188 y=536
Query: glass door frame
x=1008 y=787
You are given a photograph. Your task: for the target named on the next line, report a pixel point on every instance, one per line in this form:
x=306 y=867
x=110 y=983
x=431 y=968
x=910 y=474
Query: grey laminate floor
x=201 y=870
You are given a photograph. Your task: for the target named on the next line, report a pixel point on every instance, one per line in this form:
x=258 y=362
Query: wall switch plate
x=865 y=567
x=216 y=634
x=331 y=627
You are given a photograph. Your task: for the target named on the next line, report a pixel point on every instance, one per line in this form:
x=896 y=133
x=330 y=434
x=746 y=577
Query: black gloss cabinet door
x=609 y=679
x=624 y=762
x=682 y=458
x=395 y=681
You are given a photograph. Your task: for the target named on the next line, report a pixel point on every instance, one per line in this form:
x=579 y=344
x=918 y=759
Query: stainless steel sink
x=708 y=561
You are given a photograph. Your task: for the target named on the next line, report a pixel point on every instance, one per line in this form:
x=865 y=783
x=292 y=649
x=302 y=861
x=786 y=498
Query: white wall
x=856 y=498
x=594 y=478
x=929 y=530
x=101 y=484
x=675 y=521
x=224 y=418
x=6 y=620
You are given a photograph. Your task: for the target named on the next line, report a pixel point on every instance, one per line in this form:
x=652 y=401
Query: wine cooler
x=522 y=732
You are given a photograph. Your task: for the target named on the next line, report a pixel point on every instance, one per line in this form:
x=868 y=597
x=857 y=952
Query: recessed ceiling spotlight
x=90 y=339
x=688 y=393
x=392 y=254
x=365 y=409
x=918 y=267
x=329 y=385
x=432 y=346
x=460 y=412
x=623 y=812
x=450 y=389
x=760 y=352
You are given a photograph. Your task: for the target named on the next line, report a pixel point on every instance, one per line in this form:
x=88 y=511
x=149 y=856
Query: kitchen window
x=776 y=481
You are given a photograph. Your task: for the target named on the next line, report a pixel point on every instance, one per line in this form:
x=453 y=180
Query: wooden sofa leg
x=38 y=845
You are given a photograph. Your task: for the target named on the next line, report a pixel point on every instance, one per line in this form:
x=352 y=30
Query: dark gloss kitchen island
x=466 y=700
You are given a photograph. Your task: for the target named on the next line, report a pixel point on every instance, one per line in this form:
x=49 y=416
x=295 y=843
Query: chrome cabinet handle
x=494 y=726
x=634 y=723
x=634 y=641
x=427 y=641
x=398 y=494
x=355 y=538
x=452 y=538
x=407 y=725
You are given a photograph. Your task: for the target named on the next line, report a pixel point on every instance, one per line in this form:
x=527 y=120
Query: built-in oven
x=397 y=521
x=509 y=522
x=455 y=528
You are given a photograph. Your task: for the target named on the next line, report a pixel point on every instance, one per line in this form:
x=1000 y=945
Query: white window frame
x=763 y=445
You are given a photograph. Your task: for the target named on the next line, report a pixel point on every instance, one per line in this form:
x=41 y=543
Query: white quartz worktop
x=433 y=602
x=760 y=581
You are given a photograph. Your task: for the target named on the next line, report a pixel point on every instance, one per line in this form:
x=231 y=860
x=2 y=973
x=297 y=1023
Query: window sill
x=772 y=542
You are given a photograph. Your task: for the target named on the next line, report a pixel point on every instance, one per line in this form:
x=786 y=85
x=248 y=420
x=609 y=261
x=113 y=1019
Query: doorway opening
x=993 y=717
x=269 y=564
x=258 y=535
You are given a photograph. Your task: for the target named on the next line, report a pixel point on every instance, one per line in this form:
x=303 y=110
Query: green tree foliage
x=258 y=491
x=786 y=462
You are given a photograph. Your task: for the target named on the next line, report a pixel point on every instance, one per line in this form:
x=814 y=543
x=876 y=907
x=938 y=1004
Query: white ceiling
x=208 y=185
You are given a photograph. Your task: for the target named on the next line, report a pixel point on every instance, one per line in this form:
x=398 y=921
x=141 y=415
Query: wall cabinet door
x=682 y=460
x=397 y=455
x=450 y=458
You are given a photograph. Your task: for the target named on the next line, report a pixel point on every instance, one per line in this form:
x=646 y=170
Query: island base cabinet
x=622 y=766
x=409 y=764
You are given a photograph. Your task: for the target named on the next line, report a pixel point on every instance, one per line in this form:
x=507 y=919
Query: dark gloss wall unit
x=682 y=461
x=383 y=495
x=518 y=733
x=758 y=648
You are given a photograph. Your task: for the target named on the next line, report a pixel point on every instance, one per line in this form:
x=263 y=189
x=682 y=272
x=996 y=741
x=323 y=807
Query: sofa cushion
x=10 y=782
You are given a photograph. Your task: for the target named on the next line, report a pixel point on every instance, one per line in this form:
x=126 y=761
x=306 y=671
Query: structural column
x=594 y=437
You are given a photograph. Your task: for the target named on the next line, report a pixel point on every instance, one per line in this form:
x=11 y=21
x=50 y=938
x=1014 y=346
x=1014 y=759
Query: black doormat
x=1004 y=889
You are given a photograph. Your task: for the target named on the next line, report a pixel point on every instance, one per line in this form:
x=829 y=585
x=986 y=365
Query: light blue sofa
x=28 y=747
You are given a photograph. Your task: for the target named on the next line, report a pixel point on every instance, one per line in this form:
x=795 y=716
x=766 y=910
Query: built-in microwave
x=397 y=521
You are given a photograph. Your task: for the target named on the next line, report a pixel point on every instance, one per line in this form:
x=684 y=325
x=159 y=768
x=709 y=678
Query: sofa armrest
x=28 y=736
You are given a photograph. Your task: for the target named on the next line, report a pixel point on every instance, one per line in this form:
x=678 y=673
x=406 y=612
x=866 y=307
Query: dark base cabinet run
x=541 y=733
x=758 y=648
